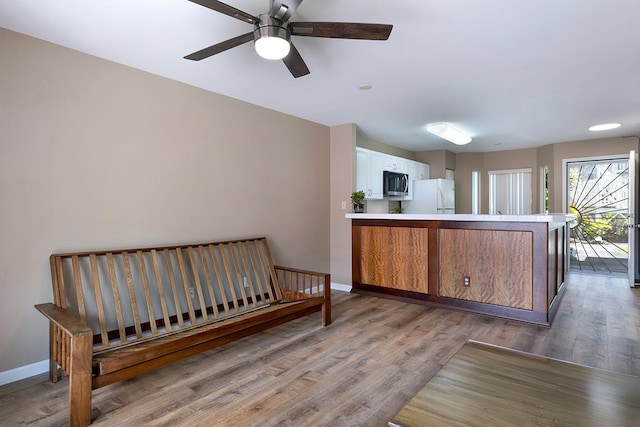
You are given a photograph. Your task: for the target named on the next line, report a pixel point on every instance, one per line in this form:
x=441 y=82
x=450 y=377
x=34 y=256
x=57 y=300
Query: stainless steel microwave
x=395 y=184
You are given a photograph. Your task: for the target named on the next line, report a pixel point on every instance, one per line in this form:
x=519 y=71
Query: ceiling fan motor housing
x=271 y=28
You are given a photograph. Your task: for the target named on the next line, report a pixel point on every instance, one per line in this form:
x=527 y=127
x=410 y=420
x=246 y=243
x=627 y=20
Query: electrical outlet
x=192 y=293
x=246 y=282
x=467 y=280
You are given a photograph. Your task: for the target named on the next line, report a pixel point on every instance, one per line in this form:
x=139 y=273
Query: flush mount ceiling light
x=271 y=38
x=448 y=132
x=604 y=126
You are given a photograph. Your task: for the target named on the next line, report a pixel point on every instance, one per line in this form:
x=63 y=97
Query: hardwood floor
x=357 y=372
x=487 y=385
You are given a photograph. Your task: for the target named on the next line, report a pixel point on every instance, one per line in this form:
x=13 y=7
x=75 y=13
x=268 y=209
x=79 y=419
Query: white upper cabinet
x=416 y=171
x=370 y=165
x=362 y=170
x=394 y=164
x=378 y=164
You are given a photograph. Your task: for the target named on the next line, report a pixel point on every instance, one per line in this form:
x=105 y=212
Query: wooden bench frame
x=93 y=352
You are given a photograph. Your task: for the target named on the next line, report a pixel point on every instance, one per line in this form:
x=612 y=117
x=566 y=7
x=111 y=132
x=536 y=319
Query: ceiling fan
x=272 y=33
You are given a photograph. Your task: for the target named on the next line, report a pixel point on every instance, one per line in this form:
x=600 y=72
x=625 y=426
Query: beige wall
x=343 y=168
x=438 y=160
x=97 y=155
x=364 y=141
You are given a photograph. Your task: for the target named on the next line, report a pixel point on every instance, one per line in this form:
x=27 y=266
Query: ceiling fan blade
x=341 y=30
x=220 y=47
x=218 y=6
x=287 y=13
x=295 y=63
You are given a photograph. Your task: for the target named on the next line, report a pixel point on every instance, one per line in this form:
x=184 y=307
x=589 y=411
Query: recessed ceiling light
x=604 y=126
x=365 y=87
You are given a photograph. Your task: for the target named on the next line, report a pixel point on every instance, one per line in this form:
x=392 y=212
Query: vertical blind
x=510 y=192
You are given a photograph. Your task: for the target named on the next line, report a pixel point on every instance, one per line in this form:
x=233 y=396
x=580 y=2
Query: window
x=510 y=192
x=475 y=192
x=544 y=189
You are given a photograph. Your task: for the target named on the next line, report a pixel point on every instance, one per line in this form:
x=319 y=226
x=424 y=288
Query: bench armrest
x=71 y=347
x=62 y=319
x=308 y=283
x=305 y=281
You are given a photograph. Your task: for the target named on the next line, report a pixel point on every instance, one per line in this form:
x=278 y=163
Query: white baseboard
x=341 y=287
x=23 y=372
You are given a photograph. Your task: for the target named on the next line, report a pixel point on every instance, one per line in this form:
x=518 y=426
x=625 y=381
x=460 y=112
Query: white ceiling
x=510 y=73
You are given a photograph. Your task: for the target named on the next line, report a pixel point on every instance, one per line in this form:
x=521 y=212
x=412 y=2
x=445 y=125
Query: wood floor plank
x=359 y=371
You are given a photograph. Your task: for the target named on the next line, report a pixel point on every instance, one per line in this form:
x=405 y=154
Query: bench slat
x=132 y=295
x=227 y=270
x=116 y=296
x=99 y=301
x=174 y=288
x=240 y=281
x=185 y=286
x=147 y=293
x=207 y=277
x=59 y=294
x=163 y=300
x=196 y=280
x=216 y=268
x=79 y=293
x=241 y=250
x=264 y=269
x=272 y=270
x=259 y=284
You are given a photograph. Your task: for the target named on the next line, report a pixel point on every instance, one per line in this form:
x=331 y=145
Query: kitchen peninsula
x=508 y=266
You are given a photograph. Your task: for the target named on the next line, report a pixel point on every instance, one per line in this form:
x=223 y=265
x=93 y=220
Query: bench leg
x=80 y=381
x=326 y=306
x=53 y=365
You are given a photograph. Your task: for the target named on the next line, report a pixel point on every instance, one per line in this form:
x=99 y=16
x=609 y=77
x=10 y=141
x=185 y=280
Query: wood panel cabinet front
x=499 y=265
x=395 y=257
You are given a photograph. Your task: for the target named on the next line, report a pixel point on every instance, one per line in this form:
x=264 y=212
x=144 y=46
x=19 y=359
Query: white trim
x=340 y=287
x=23 y=372
x=505 y=171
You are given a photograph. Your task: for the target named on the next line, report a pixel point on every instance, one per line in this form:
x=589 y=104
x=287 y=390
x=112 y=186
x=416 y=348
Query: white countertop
x=551 y=217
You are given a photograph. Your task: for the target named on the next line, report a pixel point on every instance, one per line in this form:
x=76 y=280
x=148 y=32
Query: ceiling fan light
x=272 y=47
x=448 y=132
x=271 y=38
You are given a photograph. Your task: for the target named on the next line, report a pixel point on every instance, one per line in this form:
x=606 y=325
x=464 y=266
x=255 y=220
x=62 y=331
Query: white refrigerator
x=432 y=196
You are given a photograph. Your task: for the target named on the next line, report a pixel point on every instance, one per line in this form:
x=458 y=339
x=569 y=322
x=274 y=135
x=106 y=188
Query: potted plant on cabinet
x=357 y=199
